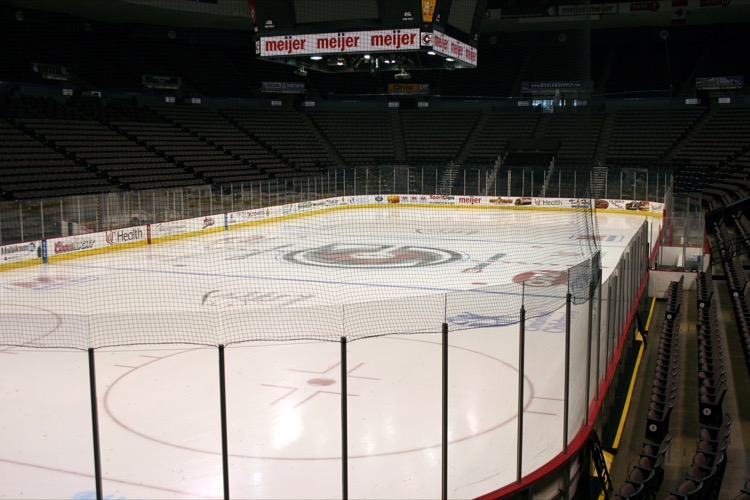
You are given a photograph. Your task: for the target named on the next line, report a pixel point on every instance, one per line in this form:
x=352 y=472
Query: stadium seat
x=630 y=491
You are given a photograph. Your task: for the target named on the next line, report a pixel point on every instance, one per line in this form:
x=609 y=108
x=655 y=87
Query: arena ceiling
x=503 y=15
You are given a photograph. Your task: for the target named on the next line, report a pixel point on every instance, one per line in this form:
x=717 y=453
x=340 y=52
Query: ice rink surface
x=159 y=412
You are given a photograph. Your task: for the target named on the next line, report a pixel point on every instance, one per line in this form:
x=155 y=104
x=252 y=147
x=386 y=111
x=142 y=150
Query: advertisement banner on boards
x=19 y=252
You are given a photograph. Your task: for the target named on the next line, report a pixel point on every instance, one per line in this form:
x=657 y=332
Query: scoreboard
x=294 y=17
x=301 y=31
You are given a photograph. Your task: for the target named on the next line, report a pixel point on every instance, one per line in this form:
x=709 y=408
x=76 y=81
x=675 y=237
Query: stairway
x=323 y=139
x=598 y=181
x=694 y=130
x=445 y=184
x=600 y=464
x=472 y=136
x=605 y=135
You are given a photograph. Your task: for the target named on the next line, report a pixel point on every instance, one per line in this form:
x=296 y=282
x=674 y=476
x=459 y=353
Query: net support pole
x=589 y=344
x=566 y=388
x=610 y=325
x=521 y=370
x=344 y=425
x=444 y=437
x=600 y=286
x=95 y=427
x=223 y=406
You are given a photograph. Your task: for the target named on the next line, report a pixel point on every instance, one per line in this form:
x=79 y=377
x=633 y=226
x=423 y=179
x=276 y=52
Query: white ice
x=158 y=404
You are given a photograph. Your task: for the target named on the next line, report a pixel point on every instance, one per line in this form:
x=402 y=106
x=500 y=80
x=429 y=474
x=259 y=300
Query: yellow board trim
x=21 y=264
x=609 y=457
x=633 y=378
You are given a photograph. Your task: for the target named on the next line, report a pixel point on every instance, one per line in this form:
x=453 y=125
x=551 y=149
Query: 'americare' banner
x=337 y=43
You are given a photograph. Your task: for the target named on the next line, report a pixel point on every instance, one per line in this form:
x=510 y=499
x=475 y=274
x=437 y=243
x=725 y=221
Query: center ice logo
x=372 y=256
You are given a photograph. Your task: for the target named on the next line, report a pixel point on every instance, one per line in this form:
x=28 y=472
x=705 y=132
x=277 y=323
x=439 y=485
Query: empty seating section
x=741 y=222
x=704 y=289
x=664 y=382
x=579 y=135
x=361 y=137
x=127 y=110
x=33 y=168
x=720 y=185
x=228 y=154
x=704 y=476
x=738 y=170
x=741 y=306
x=724 y=135
x=118 y=156
x=145 y=164
x=645 y=478
x=646 y=136
x=647 y=475
x=712 y=385
x=724 y=240
x=725 y=186
x=499 y=128
x=46 y=107
x=287 y=134
x=730 y=232
x=739 y=292
x=124 y=145
x=436 y=136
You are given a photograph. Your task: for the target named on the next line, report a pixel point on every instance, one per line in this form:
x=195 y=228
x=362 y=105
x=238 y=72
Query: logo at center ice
x=372 y=256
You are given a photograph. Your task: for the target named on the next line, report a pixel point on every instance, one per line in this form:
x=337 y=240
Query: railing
x=683 y=241
x=54 y=217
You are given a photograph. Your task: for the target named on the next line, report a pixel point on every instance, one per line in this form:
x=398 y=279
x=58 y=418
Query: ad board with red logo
x=79 y=243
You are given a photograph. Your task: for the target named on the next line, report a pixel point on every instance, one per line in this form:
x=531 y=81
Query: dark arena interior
x=129 y=117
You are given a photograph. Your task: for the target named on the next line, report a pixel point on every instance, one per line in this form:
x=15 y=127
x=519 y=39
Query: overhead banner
x=535 y=9
x=283 y=87
x=338 y=43
x=167 y=82
x=556 y=85
x=720 y=83
x=51 y=71
x=409 y=88
x=586 y=10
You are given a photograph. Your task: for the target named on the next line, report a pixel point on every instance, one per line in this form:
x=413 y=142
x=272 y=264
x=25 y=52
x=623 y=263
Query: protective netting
x=354 y=272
